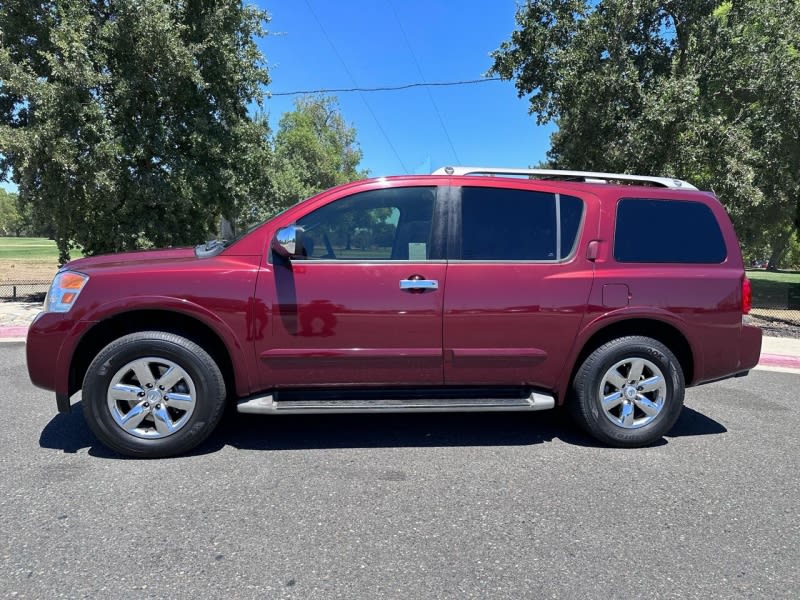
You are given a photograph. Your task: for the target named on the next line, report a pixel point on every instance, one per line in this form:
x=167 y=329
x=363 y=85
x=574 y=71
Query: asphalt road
x=406 y=506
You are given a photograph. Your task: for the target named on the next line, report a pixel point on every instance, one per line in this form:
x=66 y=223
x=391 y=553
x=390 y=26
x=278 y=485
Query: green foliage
x=704 y=90
x=126 y=124
x=792 y=256
x=314 y=149
x=10 y=219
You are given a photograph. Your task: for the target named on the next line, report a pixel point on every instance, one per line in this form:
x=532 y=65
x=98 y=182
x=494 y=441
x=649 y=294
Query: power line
x=388 y=88
x=427 y=89
x=353 y=79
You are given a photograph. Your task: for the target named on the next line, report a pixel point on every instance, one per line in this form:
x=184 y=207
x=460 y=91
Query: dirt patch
x=775 y=327
x=27 y=270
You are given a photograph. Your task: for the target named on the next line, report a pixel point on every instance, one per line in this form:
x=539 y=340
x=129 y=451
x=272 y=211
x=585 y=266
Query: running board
x=267 y=405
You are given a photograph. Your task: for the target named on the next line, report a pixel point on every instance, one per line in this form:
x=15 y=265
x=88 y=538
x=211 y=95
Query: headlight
x=64 y=290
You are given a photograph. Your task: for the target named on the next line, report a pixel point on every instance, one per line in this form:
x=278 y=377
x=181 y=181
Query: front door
x=364 y=306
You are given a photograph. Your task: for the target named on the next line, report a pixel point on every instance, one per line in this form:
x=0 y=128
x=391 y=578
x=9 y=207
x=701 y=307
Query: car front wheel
x=153 y=394
x=628 y=392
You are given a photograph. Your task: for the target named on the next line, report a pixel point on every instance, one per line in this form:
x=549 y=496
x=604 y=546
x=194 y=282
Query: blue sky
x=363 y=45
x=447 y=41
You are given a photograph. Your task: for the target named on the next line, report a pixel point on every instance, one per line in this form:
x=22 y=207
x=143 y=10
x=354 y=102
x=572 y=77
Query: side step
x=267 y=405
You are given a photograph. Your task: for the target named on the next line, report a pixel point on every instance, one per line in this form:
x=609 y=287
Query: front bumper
x=52 y=339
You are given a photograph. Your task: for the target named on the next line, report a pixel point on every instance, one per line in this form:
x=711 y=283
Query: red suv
x=447 y=292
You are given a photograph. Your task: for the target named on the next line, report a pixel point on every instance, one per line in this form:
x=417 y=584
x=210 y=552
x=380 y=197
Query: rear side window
x=508 y=224
x=667 y=231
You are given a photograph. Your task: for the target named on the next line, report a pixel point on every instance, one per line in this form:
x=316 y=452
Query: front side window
x=667 y=231
x=386 y=224
x=507 y=224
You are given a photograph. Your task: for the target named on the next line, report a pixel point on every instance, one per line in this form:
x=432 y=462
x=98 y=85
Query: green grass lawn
x=12 y=248
x=28 y=259
x=773 y=289
x=25 y=248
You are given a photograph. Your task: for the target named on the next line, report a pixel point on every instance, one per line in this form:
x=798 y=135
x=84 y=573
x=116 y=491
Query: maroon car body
x=331 y=324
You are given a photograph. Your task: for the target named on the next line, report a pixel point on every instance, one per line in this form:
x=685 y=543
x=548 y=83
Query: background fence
x=776 y=296
x=23 y=290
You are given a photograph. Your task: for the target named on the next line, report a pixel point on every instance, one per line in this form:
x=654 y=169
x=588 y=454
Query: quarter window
x=387 y=224
x=508 y=224
x=667 y=231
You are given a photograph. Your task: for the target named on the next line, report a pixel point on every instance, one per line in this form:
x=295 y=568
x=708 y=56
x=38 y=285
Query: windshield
x=228 y=240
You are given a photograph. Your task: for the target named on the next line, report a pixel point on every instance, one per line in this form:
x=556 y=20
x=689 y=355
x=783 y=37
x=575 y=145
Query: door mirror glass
x=288 y=242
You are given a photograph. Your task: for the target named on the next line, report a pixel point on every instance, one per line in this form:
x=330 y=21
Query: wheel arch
x=664 y=332
x=124 y=323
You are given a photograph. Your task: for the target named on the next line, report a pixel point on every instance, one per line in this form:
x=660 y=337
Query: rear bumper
x=733 y=355
x=750 y=348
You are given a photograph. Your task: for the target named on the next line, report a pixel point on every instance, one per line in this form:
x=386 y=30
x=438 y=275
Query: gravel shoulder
x=775 y=327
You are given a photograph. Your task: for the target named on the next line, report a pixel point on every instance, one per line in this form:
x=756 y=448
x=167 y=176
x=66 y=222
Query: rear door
x=517 y=284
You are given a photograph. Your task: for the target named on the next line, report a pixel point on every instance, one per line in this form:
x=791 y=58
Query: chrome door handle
x=419 y=284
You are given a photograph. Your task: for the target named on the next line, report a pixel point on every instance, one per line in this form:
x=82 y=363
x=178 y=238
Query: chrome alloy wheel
x=632 y=393
x=151 y=397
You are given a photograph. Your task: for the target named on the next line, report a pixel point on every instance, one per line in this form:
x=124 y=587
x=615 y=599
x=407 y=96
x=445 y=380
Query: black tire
x=626 y=424
x=201 y=388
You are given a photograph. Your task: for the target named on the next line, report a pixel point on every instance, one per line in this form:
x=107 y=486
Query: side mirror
x=288 y=242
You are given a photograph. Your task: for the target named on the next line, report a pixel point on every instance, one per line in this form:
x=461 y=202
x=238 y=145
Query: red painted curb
x=779 y=360
x=13 y=332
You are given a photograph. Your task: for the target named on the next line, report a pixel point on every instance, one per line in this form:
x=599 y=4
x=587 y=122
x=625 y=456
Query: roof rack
x=585 y=176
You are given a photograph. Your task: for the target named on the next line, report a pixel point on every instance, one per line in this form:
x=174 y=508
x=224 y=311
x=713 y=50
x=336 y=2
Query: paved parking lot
x=407 y=506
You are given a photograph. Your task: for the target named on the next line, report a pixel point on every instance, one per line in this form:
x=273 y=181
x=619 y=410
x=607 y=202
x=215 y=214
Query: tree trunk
x=779 y=248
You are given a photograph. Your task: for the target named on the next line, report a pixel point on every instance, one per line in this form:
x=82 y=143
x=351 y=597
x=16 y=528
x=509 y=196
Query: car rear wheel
x=153 y=394
x=628 y=392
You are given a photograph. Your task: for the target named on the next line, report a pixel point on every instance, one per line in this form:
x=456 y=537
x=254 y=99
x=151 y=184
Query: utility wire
x=353 y=79
x=422 y=77
x=387 y=88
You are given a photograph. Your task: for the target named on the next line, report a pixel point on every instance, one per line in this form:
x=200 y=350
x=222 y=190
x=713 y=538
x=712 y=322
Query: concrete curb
x=20 y=332
x=779 y=360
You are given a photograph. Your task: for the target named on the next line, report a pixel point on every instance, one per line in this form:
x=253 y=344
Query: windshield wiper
x=210 y=248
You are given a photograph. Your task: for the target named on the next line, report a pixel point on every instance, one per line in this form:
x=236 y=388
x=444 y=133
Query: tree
x=125 y=124
x=704 y=90
x=315 y=149
x=10 y=219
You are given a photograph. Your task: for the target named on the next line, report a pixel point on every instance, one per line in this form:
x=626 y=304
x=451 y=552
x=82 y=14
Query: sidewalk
x=15 y=318
x=780 y=353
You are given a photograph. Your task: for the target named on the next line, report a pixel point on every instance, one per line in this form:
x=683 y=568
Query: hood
x=123 y=259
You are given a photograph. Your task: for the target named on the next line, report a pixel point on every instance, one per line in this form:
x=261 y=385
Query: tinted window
x=667 y=231
x=571 y=214
x=507 y=224
x=388 y=224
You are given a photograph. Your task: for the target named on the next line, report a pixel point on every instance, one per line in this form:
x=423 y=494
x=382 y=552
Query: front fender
x=97 y=314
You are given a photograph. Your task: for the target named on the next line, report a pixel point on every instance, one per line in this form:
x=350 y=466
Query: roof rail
x=585 y=176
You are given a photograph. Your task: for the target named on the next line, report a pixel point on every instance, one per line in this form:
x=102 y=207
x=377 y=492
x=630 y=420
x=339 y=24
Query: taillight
x=747 y=296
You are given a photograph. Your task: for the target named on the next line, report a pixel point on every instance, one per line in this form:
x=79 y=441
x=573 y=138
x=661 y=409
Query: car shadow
x=691 y=422
x=69 y=432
